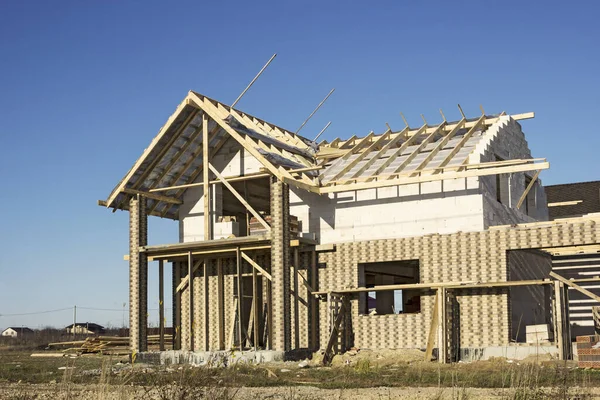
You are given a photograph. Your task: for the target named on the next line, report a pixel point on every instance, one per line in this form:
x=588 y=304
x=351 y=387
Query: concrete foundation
x=509 y=352
x=211 y=358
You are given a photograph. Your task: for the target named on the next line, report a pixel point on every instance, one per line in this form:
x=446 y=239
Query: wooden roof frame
x=269 y=143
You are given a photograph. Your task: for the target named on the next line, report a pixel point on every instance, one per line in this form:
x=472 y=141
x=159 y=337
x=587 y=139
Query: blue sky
x=84 y=87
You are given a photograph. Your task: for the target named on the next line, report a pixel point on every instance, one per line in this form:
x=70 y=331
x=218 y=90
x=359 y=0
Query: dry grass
x=553 y=380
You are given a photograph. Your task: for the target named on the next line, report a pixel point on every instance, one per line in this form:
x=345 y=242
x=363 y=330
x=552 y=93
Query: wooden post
x=161 y=306
x=240 y=286
x=269 y=318
x=558 y=307
x=191 y=298
x=221 y=303
x=313 y=301
x=206 y=329
x=442 y=342
x=296 y=302
x=433 y=327
x=176 y=306
x=255 y=306
x=206 y=181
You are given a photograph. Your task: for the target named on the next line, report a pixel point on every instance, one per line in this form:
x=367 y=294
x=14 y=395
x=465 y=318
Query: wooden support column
x=296 y=301
x=205 y=180
x=191 y=298
x=205 y=315
x=255 y=307
x=138 y=275
x=558 y=318
x=269 y=319
x=221 y=303
x=176 y=306
x=442 y=331
x=161 y=305
x=280 y=311
x=313 y=302
x=240 y=288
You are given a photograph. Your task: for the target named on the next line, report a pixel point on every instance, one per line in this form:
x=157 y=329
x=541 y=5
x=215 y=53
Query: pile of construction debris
x=108 y=345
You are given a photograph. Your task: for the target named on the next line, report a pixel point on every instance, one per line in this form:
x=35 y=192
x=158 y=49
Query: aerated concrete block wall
x=399 y=211
x=485 y=315
x=231 y=160
x=505 y=140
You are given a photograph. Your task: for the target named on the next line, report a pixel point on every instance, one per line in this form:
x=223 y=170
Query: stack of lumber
x=256 y=228
x=110 y=345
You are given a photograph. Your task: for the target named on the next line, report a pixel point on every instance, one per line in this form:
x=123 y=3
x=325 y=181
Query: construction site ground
x=356 y=375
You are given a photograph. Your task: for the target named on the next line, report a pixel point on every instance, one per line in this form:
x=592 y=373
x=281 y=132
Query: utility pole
x=74 y=319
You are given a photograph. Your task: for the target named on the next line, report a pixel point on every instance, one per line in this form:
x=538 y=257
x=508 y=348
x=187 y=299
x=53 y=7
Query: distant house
x=85 y=328
x=16 y=331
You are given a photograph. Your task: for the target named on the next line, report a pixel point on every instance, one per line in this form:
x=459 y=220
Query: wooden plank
x=205 y=180
x=432 y=328
x=442 y=343
x=153 y=196
x=406 y=180
x=240 y=198
x=346 y=156
x=161 y=305
x=575 y=286
x=527 y=189
x=232 y=324
x=256 y=266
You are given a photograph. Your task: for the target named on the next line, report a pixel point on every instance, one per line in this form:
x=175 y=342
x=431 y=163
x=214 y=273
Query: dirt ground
x=355 y=375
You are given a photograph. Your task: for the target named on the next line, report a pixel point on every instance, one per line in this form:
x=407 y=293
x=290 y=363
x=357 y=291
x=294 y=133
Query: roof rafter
x=440 y=145
x=418 y=149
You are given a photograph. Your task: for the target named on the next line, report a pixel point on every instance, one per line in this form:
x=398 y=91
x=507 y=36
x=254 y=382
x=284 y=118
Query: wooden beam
x=185 y=280
x=256 y=266
x=205 y=180
x=565 y=203
x=575 y=286
x=441 y=144
x=153 y=196
x=527 y=189
x=161 y=306
x=480 y=122
x=398 y=152
x=151 y=148
x=349 y=154
x=418 y=149
x=240 y=198
x=407 y=180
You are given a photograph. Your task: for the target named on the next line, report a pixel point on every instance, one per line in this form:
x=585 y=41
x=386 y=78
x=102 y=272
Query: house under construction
x=436 y=237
